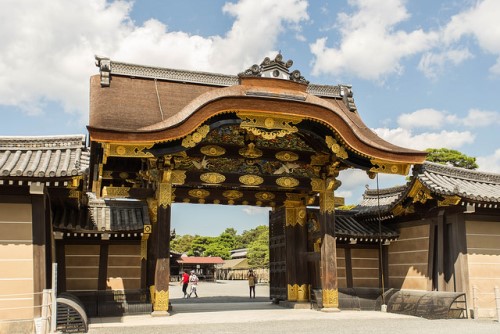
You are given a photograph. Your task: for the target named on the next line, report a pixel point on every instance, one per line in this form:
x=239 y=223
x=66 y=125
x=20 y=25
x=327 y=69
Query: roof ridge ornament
x=275 y=68
x=104 y=64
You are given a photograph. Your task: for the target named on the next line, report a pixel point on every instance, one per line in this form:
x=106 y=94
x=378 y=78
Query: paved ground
x=224 y=307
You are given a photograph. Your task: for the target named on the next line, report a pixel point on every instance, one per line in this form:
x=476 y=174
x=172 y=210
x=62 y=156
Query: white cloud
x=480 y=22
x=48 y=46
x=428 y=117
x=432 y=64
x=405 y=138
x=437 y=119
x=371 y=46
x=481 y=118
x=490 y=163
x=254 y=210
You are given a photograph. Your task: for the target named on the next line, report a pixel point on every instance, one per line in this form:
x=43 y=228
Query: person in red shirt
x=185 y=282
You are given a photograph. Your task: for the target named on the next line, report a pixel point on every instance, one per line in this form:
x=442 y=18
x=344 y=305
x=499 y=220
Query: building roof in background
x=201 y=260
x=235 y=264
x=43 y=156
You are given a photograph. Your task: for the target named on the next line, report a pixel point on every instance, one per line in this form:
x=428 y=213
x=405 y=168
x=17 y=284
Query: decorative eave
x=449 y=186
x=465 y=183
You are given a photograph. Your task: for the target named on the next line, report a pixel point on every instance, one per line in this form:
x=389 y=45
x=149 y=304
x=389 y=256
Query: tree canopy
x=256 y=240
x=450 y=157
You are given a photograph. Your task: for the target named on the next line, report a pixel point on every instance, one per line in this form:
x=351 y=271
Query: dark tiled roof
x=440 y=179
x=348 y=226
x=466 y=183
x=117 y=215
x=383 y=198
x=43 y=157
x=102 y=216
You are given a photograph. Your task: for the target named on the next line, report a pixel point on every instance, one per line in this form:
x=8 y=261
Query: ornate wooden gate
x=277 y=255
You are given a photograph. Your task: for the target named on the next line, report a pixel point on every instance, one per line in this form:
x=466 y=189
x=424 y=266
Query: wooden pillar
x=39 y=235
x=329 y=279
x=162 y=246
x=296 y=250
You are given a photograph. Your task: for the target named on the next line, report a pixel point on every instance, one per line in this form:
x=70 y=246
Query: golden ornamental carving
x=196 y=137
x=107 y=174
x=250 y=152
x=287 y=156
x=303 y=293
x=380 y=166
x=264 y=196
x=144 y=249
x=287 y=182
x=317 y=246
x=336 y=148
x=199 y=193
x=292 y=292
x=115 y=191
x=251 y=180
x=400 y=210
x=450 y=200
x=147 y=229
x=161 y=300
x=165 y=194
x=330 y=298
x=326 y=202
x=212 y=178
x=213 y=150
x=317 y=185
x=290 y=217
x=267 y=125
x=419 y=193
x=232 y=194
x=178 y=177
x=75 y=181
x=73 y=193
x=153 y=209
x=319 y=159
x=126 y=150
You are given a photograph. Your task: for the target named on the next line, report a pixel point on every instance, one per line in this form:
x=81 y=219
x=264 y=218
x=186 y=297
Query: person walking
x=193 y=279
x=251 y=282
x=185 y=283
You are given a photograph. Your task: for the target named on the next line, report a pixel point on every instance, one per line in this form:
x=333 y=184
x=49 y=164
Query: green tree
x=258 y=251
x=450 y=157
x=248 y=237
x=199 y=245
x=217 y=249
x=181 y=243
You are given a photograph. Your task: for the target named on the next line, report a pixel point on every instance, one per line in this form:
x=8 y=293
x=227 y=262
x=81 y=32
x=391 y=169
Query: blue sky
x=424 y=73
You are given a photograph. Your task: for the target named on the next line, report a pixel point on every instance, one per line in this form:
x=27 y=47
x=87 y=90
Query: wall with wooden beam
x=16 y=261
x=408 y=259
x=483 y=258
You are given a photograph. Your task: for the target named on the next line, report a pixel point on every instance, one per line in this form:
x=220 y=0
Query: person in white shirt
x=193 y=279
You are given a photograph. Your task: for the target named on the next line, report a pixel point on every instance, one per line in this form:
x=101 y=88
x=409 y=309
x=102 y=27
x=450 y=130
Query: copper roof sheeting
x=44 y=156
